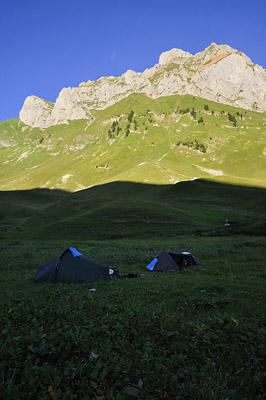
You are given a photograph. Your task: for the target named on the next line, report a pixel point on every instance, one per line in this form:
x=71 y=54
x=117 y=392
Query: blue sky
x=51 y=44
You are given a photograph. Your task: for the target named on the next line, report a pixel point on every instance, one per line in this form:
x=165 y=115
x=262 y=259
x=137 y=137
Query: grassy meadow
x=140 y=176
x=194 y=334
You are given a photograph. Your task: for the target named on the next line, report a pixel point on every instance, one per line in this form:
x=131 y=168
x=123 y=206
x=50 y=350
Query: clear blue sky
x=50 y=44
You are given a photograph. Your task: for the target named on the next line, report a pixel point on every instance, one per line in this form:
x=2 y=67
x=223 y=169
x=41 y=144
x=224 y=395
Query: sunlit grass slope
x=138 y=139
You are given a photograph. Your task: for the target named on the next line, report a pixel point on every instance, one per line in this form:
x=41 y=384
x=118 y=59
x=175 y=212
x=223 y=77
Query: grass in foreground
x=196 y=334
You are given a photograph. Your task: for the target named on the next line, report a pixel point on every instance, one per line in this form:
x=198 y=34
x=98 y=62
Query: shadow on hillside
x=184 y=186
x=128 y=210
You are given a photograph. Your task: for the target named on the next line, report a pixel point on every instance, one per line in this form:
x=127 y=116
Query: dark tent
x=171 y=261
x=72 y=266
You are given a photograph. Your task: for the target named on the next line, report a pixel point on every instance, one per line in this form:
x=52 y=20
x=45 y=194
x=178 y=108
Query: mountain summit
x=219 y=73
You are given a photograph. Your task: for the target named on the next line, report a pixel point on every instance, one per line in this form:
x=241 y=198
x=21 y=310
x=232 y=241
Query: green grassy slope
x=124 y=210
x=197 y=333
x=194 y=334
x=162 y=143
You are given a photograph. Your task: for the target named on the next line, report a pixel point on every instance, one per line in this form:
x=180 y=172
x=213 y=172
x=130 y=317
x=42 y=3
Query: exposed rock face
x=218 y=73
x=36 y=112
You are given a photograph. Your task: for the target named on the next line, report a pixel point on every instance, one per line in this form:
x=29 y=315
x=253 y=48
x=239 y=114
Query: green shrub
x=193 y=113
x=185 y=111
x=194 y=145
x=232 y=118
x=200 y=120
x=130 y=116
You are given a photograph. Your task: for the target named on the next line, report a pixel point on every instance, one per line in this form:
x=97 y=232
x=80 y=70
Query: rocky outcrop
x=36 y=112
x=232 y=81
x=219 y=73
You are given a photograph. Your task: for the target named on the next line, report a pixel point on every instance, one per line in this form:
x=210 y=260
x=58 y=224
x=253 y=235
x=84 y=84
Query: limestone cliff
x=219 y=73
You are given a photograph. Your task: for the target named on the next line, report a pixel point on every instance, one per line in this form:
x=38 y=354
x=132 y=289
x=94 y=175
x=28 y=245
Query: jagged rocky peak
x=219 y=73
x=172 y=56
x=215 y=53
x=203 y=59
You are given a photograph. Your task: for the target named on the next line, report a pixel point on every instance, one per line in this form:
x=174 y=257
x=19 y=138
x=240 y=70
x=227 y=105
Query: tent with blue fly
x=70 y=267
x=171 y=261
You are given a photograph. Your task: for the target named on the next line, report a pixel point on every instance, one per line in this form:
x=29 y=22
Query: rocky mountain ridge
x=219 y=73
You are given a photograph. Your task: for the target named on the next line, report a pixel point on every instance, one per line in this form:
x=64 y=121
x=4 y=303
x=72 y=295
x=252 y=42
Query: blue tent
x=72 y=266
x=171 y=261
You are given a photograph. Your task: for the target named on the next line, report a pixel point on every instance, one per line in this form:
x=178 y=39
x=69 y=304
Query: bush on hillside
x=232 y=118
x=118 y=129
x=193 y=113
x=194 y=145
x=200 y=120
x=184 y=111
x=130 y=116
x=113 y=127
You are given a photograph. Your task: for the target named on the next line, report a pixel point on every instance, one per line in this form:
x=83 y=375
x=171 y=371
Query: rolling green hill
x=139 y=139
x=127 y=210
x=141 y=176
